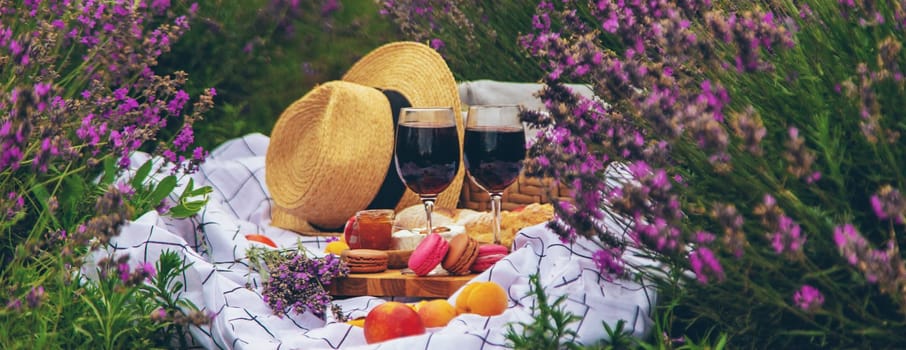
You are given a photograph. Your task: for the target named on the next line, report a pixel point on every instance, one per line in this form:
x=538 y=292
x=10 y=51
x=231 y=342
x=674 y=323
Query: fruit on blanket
x=392 y=320
x=347 y=232
x=436 y=313
x=358 y=322
x=336 y=247
x=483 y=298
x=254 y=237
x=462 y=300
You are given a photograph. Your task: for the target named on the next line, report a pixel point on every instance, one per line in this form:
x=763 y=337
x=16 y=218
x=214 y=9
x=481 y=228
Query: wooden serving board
x=393 y=283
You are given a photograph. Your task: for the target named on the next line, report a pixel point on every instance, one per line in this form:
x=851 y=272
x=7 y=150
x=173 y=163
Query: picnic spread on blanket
x=414 y=265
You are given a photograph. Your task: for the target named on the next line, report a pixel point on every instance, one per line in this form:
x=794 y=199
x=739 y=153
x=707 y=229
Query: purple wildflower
x=199 y=154
x=329 y=7
x=609 y=262
x=124 y=272
x=437 y=44
x=14 y=204
x=705 y=265
x=888 y=203
x=159 y=315
x=184 y=138
x=34 y=297
x=788 y=238
x=146 y=268
x=176 y=105
x=160 y=6
x=808 y=298
x=14 y=305
x=849 y=242
x=125 y=188
x=163 y=207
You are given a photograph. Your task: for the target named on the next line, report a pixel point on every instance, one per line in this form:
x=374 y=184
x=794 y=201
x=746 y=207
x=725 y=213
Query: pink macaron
x=488 y=255
x=428 y=254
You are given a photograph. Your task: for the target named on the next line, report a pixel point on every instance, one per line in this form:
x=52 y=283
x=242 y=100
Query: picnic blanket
x=220 y=281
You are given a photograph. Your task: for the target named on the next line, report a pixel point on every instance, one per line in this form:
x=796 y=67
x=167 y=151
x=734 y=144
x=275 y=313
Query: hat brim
x=420 y=74
x=328 y=156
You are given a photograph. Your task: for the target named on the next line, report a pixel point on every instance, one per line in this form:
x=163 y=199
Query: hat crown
x=328 y=146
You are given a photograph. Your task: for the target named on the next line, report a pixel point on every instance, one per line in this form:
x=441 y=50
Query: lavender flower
x=788 y=238
x=808 y=298
x=14 y=305
x=609 y=262
x=34 y=297
x=13 y=203
x=112 y=213
x=799 y=157
x=705 y=265
x=159 y=315
x=884 y=267
x=749 y=127
x=298 y=283
x=888 y=203
x=731 y=221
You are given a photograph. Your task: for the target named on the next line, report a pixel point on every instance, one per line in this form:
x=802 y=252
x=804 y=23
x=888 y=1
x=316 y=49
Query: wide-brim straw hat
x=331 y=151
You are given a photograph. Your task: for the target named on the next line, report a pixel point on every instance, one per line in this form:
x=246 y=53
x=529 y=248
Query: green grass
x=254 y=88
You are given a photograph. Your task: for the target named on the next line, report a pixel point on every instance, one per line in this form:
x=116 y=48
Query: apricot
x=418 y=305
x=392 y=320
x=462 y=300
x=436 y=313
x=483 y=298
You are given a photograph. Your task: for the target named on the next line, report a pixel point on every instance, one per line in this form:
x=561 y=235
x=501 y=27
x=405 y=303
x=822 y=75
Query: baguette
x=479 y=225
x=413 y=217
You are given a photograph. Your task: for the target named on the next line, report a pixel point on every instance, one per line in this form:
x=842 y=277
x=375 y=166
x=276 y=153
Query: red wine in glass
x=493 y=149
x=427 y=152
x=494 y=155
x=427 y=156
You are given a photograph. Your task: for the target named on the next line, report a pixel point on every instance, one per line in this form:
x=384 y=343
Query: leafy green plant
x=549 y=330
x=56 y=304
x=173 y=314
x=127 y=312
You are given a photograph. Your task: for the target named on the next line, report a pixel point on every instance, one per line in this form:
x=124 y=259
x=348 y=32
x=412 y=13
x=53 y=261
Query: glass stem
x=429 y=208
x=495 y=209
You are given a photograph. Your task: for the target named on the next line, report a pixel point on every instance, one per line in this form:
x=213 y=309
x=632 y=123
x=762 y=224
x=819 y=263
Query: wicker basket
x=526 y=190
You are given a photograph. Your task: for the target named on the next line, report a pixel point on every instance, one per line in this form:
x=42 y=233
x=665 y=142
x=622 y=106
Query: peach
x=392 y=320
x=483 y=298
x=436 y=313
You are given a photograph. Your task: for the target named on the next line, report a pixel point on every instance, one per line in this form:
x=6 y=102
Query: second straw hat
x=331 y=151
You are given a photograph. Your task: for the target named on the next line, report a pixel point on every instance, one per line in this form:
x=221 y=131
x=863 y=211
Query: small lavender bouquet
x=294 y=281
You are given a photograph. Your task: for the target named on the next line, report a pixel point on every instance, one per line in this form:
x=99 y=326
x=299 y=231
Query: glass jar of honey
x=372 y=229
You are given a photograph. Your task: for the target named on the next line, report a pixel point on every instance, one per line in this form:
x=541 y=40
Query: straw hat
x=331 y=151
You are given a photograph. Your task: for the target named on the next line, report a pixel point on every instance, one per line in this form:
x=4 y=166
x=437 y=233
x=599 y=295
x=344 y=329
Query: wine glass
x=493 y=150
x=427 y=152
